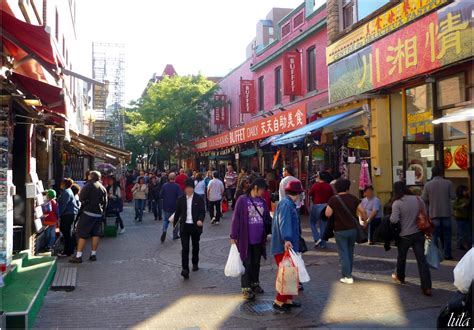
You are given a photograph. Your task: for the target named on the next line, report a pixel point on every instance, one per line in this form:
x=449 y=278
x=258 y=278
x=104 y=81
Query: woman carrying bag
x=249 y=235
x=347 y=229
x=405 y=210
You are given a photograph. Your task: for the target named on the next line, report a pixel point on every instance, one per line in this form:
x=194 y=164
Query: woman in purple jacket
x=248 y=233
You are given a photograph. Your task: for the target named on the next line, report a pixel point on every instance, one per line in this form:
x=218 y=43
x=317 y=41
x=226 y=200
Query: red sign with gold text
x=220 y=113
x=247 y=96
x=292 y=74
x=280 y=123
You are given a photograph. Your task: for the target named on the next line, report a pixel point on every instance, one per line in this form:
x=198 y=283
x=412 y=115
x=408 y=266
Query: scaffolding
x=108 y=66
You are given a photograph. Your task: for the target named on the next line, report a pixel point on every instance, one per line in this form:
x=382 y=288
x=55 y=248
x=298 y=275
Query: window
x=311 y=58
x=278 y=85
x=355 y=10
x=285 y=29
x=270 y=30
x=419 y=105
x=451 y=90
x=261 y=94
x=56 y=31
x=298 y=20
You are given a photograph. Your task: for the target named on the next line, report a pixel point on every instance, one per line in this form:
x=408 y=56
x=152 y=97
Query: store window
x=261 y=94
x=451 y=90
x=419 y=105
x=311 y=57
x=278 y=85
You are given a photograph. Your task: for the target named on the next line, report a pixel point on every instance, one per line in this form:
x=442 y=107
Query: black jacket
x=198 y=211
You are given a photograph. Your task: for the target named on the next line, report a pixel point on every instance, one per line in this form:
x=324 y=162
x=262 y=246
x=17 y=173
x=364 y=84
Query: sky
x=207 y=36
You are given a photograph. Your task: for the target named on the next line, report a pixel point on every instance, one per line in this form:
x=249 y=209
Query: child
x=51 y=217
x=462 y=211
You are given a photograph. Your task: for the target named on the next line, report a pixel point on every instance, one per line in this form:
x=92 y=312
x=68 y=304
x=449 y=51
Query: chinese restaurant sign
x=391 y=20
x=220 y=117
x=247 y=96
x=280 y=123
x=292 y=74
x=436 y=40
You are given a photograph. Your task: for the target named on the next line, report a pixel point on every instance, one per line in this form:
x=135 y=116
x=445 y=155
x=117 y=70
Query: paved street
x=136 y=283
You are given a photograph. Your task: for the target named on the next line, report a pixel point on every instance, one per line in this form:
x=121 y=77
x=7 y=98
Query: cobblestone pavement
x=136 y=283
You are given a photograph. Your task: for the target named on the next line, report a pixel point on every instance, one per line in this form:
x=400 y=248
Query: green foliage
x=175 y=112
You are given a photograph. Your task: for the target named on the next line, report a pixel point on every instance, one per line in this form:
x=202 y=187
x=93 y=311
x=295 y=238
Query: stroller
x=112 y=215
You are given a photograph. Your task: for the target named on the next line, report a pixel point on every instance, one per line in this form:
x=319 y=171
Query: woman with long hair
x=140 y=191
x=115 y=202
x=405 y=210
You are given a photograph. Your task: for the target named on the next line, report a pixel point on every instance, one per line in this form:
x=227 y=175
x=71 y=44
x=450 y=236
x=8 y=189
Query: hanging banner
x=292 y=74
x=281 y=122
x=436 y=40
x=247 y=96
x=394 y=18
x=220 y=113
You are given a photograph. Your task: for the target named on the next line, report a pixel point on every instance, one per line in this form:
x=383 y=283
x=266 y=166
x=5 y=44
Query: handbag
x=267 y=221
x=361 y=233
x=287 y=281
x=424 y=222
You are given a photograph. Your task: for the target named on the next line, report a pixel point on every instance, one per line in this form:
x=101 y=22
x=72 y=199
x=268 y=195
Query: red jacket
x=51 y=218
x=180 y=179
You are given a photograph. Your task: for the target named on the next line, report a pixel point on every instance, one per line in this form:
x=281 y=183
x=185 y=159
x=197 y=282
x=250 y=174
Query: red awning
x=31 y=37
x=50 y=96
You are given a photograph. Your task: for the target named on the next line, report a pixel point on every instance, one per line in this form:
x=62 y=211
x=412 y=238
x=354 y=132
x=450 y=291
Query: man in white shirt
x=288 y=175
x=189 y=216
x=215 y=190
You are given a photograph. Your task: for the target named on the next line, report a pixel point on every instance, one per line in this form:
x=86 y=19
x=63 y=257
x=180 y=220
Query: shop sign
x=220 y=113
x=247 y=96
x=280 y=123
x=391 y=20
x=436 y=40
x=99 y=97
x=419 y=125
x=292 y=74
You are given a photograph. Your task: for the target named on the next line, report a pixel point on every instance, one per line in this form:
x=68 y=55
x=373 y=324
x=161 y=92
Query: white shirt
x=200 y=187
x=215 y=189
x=189 y=209
x=283 y=183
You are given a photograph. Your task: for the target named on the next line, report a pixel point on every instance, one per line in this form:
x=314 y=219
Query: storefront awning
x=301 y=133
x=99 y=149
x=269 y=140
x=31 y=38
x=51 y=97
x=457 y=116
x=248 y=153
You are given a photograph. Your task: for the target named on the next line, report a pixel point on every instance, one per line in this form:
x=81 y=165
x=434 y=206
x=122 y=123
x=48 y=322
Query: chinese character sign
x=292 y=74
x=441 y=38
x=220 y=113
x=282 y=122
x=247 y=96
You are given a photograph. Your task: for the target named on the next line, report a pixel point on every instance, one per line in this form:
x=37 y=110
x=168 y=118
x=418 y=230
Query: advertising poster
x=456 y=157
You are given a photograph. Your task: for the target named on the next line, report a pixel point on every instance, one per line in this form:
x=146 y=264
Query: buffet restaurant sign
x=391 y=20
x=281 y=122
x=436 y=40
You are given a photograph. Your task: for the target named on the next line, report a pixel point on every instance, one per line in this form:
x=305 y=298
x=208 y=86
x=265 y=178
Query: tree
x=175 y=111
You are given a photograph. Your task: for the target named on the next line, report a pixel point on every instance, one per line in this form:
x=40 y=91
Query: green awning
x=248 y=153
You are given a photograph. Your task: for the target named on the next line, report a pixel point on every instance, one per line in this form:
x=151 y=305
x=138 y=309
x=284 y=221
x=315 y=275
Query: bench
x=65 y=279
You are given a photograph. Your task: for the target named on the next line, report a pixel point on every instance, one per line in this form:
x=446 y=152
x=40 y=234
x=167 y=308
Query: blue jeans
x=464 y=233
x=316 y=220
x=345 y=241
x=139 y=207
x=166 y=223
x=443 y=228
x=157 y=208
x=50 y=235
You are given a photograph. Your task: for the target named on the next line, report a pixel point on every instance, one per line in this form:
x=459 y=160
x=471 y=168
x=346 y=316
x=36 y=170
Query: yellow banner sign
x=389 y=21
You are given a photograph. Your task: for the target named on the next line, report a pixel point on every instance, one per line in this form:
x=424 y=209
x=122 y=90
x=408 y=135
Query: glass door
x=419 y=159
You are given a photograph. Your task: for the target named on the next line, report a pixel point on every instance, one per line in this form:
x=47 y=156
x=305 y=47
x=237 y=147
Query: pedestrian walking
x=170 y=192
x=242 y=188
x=215 y=191
x=154 y=188
x=230 y=181
x=288 y=175
x=68 y=209
x=51 y=218
x=181 y=178
x=242 y=174
x=438 y=194
x=93 y=197
x=189 y=218
x=285 y=235
x=200 y=186
x=248 y=233
x=115 y=203
x=373 y=209
x=463 y=215
x=140 y=191
x=320 y=193
x=345 y=207
x=405 y=210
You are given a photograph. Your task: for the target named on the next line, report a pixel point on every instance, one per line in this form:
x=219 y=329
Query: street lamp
x=156 y=145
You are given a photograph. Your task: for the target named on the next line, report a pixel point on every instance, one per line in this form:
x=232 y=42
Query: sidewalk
x=136 y=283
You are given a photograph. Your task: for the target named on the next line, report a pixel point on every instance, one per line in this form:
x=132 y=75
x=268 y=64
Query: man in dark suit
x=189 y=216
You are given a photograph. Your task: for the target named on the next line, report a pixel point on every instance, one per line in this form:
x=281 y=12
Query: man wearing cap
x=189 y=216
x=285 y=236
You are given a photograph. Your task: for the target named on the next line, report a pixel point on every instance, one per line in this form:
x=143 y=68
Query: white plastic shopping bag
x=464 y=272
x=234 y=266
x=299 y=262
x=171 y=219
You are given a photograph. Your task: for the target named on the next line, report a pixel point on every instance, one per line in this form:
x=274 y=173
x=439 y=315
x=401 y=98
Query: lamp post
x=156 y=145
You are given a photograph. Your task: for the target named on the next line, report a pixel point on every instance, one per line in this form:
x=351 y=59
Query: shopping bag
x=225 y=206
x=432 y=254
x=287 y=280
x=297 y=259
x=234 y=266
x=464 y=272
